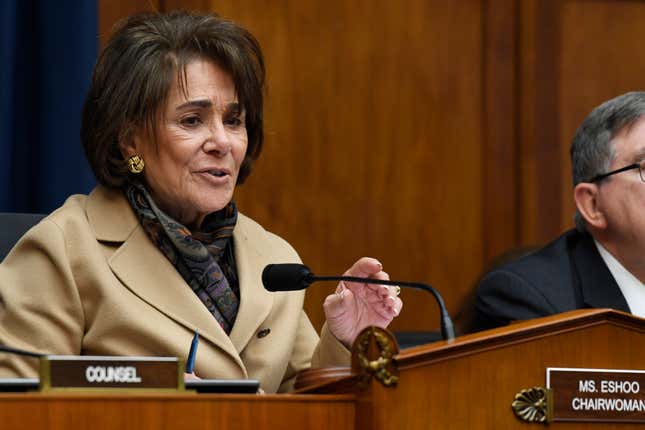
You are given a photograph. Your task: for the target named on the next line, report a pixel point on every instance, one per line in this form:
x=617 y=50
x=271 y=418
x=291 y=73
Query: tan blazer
x=87 y=280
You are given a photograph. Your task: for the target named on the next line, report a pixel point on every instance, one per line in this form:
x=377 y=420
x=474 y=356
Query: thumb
x=334 y=305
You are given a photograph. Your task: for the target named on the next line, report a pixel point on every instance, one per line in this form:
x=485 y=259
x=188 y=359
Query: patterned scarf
x=203 y=258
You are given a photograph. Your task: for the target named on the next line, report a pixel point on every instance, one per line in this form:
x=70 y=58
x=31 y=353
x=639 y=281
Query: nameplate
x=71 y=372
x=597 y=394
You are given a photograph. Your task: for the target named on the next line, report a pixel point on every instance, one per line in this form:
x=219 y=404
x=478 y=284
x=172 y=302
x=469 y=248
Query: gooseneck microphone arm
x=17 y=351
x=290 y=277
x=447 y=327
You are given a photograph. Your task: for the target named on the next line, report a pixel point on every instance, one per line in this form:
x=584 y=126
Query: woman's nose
x=218 y=141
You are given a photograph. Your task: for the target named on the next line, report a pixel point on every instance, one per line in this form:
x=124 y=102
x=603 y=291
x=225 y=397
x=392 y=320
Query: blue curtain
x=47 y=51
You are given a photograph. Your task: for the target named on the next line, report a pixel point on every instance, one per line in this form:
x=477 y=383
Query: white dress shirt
x=631 y=287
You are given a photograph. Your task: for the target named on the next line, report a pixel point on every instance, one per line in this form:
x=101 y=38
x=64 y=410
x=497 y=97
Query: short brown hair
x=133 y=76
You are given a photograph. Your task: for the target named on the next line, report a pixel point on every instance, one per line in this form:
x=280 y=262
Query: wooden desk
x=471 y=382
x=467 y=384
x=175 y=411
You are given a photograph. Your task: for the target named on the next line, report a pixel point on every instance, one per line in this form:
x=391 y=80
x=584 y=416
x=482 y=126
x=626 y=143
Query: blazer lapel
x=143 y=269
x=598 y=288
x=255 y=301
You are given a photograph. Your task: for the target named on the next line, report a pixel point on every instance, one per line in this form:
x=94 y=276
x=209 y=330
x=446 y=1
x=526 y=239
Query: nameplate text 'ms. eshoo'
x=607 y=395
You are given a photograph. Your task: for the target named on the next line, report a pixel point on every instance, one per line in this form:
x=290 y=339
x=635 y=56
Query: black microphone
x=286 y=277
x=293 y=277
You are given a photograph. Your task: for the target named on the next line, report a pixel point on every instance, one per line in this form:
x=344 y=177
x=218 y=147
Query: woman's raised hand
x=355 y=306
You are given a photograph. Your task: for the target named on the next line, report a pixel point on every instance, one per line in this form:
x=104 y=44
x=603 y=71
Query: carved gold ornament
x=532 y=405
x=380 y=366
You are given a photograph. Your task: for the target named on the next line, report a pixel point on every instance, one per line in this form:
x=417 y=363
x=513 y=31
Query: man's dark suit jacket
x=567 y=274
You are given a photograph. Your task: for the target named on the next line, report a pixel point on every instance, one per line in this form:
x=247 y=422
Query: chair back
x=12 y=227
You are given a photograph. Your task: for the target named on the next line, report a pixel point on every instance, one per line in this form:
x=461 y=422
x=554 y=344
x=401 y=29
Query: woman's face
x=193 y=168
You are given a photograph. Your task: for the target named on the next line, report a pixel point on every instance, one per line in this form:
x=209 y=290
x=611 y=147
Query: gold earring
x=136 y=164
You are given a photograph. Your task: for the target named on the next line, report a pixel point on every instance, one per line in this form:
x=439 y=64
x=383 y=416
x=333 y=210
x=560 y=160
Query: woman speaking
x=171 y=125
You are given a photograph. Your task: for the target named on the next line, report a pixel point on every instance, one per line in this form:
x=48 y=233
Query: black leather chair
x=465 y=318
x=408 y=339
x=12 y=227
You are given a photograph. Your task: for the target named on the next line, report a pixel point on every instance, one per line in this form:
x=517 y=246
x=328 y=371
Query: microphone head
x=286 y=277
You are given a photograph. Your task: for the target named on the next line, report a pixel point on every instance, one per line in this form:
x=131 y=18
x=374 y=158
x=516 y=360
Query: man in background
x=600 y=263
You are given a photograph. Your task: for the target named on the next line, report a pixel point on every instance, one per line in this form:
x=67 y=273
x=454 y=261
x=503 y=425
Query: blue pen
x=192 y=354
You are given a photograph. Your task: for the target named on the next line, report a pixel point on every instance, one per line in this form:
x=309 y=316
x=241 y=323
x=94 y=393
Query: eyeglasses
x=640 y=166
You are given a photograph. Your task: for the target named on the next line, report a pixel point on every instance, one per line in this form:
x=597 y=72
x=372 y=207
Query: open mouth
x=218 y=173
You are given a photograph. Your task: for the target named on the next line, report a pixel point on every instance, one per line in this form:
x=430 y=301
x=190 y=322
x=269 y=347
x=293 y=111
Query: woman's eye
x=191 y=121
x=233 y=121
